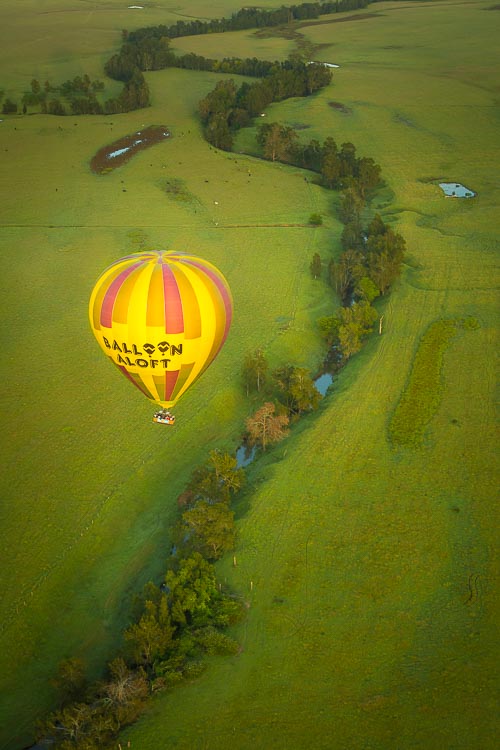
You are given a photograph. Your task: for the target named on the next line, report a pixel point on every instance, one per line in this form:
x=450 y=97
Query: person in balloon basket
x=164 y=417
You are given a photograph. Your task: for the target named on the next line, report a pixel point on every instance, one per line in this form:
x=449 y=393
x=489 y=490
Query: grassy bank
x=369 y=574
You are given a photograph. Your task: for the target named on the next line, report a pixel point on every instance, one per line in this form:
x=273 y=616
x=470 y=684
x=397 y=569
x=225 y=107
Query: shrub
x=316 y=220
x=213 y=642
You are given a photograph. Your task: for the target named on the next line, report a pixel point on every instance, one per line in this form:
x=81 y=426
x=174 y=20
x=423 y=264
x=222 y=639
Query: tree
x=265 y=427
x=217 y=132
x=211 y=528
x=330 y=168
x=383 y=269
x=204 y=485
x=388 y=241
x=135 y=93
x=9 y=107
x=55 y=107
x=126 y=692
x=70 y=680
x=79 y=725
x=317 y=76
x=216 y=481
x=376 y=226
x=329 y=328
x=219 y=101
x=299 y=391
x=345 y=273
x=226 y=471
x=191 y=590
x=356 y=323
x=315 y=266
x=315 y=220
x=366 y=289
x=254 y=372
x=368 y=175
x=385 y=254
x=258 y=97
x=30 y=99
x=351 y=205
x=277 y=140
x=151 y=636
x=347 y=156
x=352 y=237
x=311 y=156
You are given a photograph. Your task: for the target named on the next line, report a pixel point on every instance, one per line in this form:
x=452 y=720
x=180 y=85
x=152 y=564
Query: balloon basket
x=163 y=417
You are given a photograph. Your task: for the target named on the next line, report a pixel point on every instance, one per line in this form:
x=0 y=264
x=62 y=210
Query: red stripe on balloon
x=170 y=381
x=174 y=318
x=112 y=293
x=226 y=297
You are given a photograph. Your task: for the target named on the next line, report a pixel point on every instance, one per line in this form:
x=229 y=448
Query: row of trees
x=207 y=522
x=148 y=49
x=290 y=392
x=292 y=387
x=376 y=253
x=249 y=17
x=340 y=168
x=361 y=276
x=228 y=107
x=280 y=81
x=78 y=96
x=362 y=273
x=178 y=622
x=174 y=625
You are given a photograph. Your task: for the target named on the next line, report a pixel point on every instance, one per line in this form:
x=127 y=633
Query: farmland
x=368 y=569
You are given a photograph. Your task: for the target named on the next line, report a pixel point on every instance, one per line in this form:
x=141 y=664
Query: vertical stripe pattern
x=162 y=318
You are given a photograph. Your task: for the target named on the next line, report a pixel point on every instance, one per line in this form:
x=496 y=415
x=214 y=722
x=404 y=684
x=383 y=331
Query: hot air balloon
x=161 y=317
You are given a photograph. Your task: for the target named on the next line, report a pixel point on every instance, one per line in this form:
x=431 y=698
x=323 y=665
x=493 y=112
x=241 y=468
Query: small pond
x=323 y=383
x=456 y=190
x=244 y=456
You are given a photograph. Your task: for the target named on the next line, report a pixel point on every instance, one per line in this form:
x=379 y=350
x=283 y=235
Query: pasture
x=371 y=617
x=88 y=482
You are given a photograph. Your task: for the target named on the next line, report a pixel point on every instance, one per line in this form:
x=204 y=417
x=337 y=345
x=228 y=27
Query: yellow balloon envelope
x=162 y=318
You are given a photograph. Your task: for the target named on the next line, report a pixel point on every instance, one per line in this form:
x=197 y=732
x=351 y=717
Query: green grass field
x=371 y=620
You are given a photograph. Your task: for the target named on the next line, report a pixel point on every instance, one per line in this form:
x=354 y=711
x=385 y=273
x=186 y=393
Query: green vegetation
x=228 y=108
x=366 y=572
x=175 y=625
x=316 y=220
x=247 y=18
x=422 y=394
x=265 y=427
x=254 y=371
